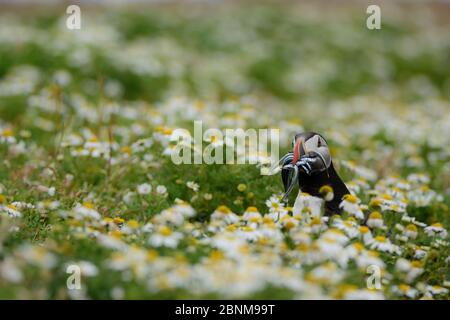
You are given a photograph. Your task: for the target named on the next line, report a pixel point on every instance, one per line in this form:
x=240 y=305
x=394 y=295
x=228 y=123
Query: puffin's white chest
x=305 y=202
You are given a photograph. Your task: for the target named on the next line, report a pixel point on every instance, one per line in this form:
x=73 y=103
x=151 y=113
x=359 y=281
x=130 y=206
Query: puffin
x=311 y=166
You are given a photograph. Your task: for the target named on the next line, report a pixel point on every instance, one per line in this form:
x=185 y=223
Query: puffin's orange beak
x=297 y=150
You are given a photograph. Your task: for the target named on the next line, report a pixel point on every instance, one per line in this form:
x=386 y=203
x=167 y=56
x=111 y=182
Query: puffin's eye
x=318 y=143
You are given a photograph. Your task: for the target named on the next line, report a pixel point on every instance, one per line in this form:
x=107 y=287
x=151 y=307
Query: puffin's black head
x=311 y=150
x=310 y=155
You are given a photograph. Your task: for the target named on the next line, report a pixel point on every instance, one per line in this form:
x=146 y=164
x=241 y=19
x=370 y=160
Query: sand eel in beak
x=310 y=165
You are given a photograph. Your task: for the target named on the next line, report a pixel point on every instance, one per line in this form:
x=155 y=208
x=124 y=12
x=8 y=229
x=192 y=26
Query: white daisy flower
x=144 y=189
x=350 y=204
x=436 y=229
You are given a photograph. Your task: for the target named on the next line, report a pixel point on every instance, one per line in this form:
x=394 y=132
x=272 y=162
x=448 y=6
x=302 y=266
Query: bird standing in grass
x=310 y=165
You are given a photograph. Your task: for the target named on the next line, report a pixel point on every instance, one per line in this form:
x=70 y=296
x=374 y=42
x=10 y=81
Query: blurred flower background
x=86 y=179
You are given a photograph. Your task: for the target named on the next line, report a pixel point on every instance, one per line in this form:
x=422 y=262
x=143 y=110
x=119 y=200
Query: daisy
x=300 y=237
x=224 y=214
x=6 y=136
x=207 y=196
x=406 y=218
x=327 y=192
x=420 y=253
x=349 y=226
x=168 y=217
x=418 y=178
x=249 y=233
x=436 y=290
x=411 y=270
x=184 y=209
x=331 y=246
x=288 y=222
x=383 y=244
x=423 y=196
x=317 y=225
x=165 y=237
x=161 y=190
x=12 y=211
x=252 y=215
x=410 y=231
x=375 y=220
x=144 y=189
x=86 y=210
x=350 y=204
x=328 y=273
x=276 y=208
x=193 y=186
x=436 y=229
x=369 y=258
x=406 y=290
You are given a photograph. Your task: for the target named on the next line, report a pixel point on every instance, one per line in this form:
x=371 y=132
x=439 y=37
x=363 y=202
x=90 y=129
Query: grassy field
x=86 y=177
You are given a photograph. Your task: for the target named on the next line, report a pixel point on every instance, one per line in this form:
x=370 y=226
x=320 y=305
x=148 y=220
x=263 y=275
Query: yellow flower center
x=167 y=131
x=348 y=224
x=165 y=231
x=241 y=187
x=375 y=202
x=152 y=255
x=216 y=255
x=375 y=215
x=363 y=229
x=387 y=196
x=7 y=133
x=223 y=209
x=133 y=224
x=403 y=287
x=88 y=205
x=350 y=198
x=289 y=224
x=126 y=150
x=325 y=189
x=116 y=234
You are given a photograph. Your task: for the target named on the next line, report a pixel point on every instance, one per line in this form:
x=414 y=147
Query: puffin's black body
x=315 y=169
